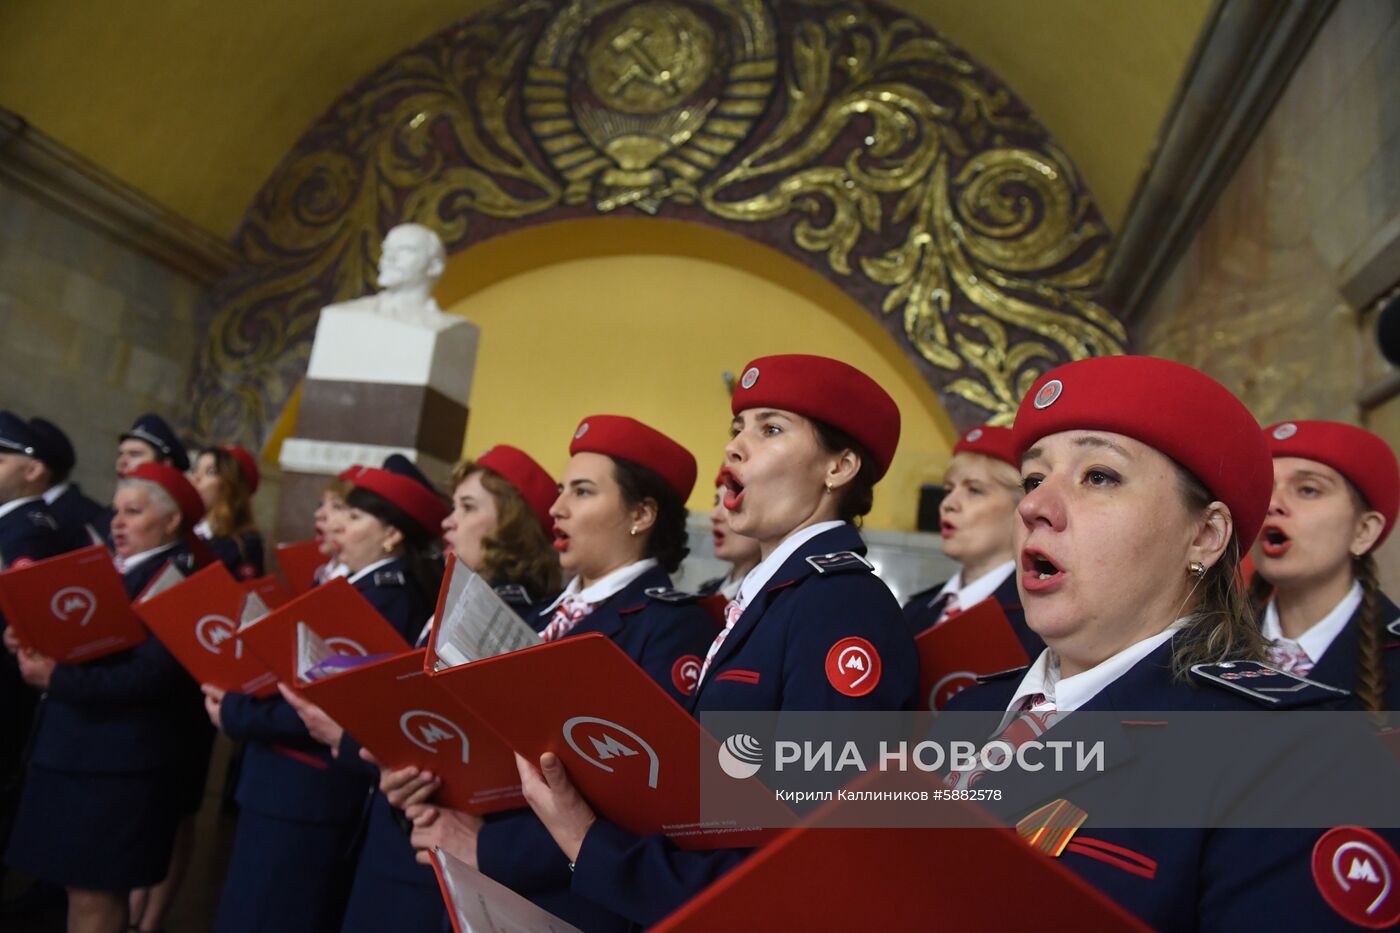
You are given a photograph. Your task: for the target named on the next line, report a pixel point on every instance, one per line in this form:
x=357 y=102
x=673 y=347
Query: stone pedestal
x=376 y=386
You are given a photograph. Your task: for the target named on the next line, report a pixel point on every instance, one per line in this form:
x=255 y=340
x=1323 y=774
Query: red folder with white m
x=629 y=748
x=952 y=655
x=197 y=619
x=72 y=608
x=405 y=718
x=339 y=616
x=825 y=875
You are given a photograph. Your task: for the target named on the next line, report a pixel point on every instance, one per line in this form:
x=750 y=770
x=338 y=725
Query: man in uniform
x=80 y=520
x=150 y=440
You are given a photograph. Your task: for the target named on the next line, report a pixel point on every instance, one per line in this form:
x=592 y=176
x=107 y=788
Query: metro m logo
x=429 y=730
x=605 y=737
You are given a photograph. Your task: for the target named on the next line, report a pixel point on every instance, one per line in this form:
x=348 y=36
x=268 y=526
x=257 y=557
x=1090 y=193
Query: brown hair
x=232 y=515
x=1222 y=626
x=858 y=496
x=1370 y=668
x=518 y=551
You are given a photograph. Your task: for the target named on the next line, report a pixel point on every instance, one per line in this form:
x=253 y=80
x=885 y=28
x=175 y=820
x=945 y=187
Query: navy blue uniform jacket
x=1180 y=879
x=120 y=713
x=1337 y=666
x=775 y=658
x=923 y=608
x=75 y=513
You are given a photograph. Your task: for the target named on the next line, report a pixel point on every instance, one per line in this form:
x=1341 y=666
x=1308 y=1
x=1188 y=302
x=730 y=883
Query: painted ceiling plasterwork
x=846 y=135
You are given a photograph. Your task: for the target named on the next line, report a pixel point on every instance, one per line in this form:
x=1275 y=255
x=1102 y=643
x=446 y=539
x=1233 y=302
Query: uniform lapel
x=607 y=619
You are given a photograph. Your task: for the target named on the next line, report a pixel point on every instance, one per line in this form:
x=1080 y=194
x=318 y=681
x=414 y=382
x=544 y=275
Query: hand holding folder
x=72 y=608
x=198 y=621
x=953 y=654
x=629 y=748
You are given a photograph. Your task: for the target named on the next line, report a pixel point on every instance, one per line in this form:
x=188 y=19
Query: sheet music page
x=167 y=578
x=481 y=905
x=253 y=610
x=477 y=624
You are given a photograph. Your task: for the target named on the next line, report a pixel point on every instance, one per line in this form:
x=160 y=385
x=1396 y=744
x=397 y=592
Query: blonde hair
x=1001 y=472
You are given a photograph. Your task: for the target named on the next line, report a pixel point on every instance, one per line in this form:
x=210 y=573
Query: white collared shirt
x=979 y=589
x=608 y=586
x=1066 y=694
x=758 y=577
x=360 y=575
x=135 y=560
x=730 y=587
x=13 y=504
x=1320 y=635
x=53 y=492
x=203 y=530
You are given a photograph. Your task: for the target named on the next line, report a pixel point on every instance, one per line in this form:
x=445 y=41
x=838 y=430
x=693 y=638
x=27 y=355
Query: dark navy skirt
x=286 y=875
x=95 y=832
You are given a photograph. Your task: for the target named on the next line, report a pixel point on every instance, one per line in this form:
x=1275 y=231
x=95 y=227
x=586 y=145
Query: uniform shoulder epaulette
x=1394 y=628
x=1265 y=685
x=43 y=519
x=389 y=578
x=667 y=595
x=183 y=562
x=1002 y=675
x=839 y=562
x=513 y=593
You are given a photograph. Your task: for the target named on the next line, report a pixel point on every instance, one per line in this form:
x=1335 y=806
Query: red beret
x=1179 y=411
x=535 y=485
x=173 y=482
x=247 y=465
x=997 y=443
x=1364 y=459
x=629 y=439
x=417 y=501
x=828 y=391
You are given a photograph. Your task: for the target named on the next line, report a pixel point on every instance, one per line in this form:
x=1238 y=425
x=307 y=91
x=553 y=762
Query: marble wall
x=95 y=333
x=1273 y=296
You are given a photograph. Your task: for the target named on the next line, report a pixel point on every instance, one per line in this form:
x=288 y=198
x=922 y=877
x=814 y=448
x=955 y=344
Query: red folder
x=269 y=589
x=407 y=718
x=299 y=561
x=816 y=877
x=197 y=619
x=337 y=613
x=630 y=749
x=72 y=608
x=952 y=655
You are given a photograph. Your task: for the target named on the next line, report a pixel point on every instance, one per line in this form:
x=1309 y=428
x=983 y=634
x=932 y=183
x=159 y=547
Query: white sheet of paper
x=311 y=650
x=477 y=623
x=480 y=905
x=253 y=610
x=167 y=578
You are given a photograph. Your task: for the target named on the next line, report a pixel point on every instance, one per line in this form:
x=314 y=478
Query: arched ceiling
x=194 y=103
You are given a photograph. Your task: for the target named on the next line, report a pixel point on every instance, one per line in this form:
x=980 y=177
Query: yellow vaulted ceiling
x=193 y=102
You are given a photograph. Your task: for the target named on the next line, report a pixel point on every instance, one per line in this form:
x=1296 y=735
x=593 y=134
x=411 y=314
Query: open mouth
x=1038 y=572
x=561 y=539
x=1274 y=542
x=733 y=489
x=946 y=528
x=719 y=538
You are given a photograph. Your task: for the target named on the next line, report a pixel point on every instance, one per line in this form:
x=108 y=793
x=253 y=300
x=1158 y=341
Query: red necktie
x=1031 y=724
x=732 y=612
x=570 y=613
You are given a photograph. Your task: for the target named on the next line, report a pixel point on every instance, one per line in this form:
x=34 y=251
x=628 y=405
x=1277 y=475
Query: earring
x=828 y=486
x=633 y=532
x=1196 y=569
x=388 y=548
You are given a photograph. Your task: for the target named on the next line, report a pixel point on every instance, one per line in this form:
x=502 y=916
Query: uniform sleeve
x=644 y=878
x=517 y=850
x=853 y=609
x=145 y=674
x=348 y=759
x=684 y=631
x=269 y=719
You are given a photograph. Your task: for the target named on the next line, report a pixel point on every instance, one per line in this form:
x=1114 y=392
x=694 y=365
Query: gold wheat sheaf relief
x=868 y=141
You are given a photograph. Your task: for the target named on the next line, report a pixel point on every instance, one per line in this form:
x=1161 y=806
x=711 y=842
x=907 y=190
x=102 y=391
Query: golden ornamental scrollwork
x=849 y=135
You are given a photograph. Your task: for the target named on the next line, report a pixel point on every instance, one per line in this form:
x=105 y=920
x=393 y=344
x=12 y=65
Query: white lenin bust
x=410 y=264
